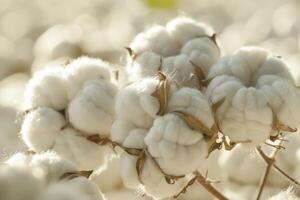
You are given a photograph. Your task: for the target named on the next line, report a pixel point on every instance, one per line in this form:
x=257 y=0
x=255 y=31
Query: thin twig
x=209 y=187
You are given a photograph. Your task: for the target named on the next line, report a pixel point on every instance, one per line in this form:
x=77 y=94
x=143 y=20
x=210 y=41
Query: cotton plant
x=45 y=176
x=183 y=49
x=66 y=105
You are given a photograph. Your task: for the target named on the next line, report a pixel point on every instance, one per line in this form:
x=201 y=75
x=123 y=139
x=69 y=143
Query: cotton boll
x=108 y=177
x=144 y=65
x=61 y=191
x=203 y=52
x=83 y=69
x=92 y=110
x=85 y=154
x=40 y=128
x=183 y=29
x=173 y=144
x=153 y=180
x=18 y=184
x=19 y=160
x=46 y=88
x=245 y=114
x=155 y=39
x=141 y=106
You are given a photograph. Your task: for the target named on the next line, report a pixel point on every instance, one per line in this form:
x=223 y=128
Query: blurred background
x=40 y=33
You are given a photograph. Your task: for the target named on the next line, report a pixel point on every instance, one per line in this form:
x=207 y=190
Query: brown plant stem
x=209 y=187
x=205 y=183
x=266 y=158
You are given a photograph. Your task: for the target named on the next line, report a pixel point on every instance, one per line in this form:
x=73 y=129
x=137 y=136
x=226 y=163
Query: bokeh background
x=40 y=33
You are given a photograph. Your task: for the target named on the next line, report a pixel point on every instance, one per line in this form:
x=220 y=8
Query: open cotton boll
x=61 y=191
x=154 y=182
x=108 y=177
x=285 y=195
x=183 y=29
x=141 y=106
x=46 y=88
x=41 y=127
x=203 y=52
x=155 y=39
x=173 y=144
x=71 y=145
x=18 y=184
x=92 y=110
x=83 y=69
x=255 y=87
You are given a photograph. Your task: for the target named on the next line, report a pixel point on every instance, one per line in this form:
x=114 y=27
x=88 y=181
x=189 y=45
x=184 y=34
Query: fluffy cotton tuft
x=46 y=88
x=41 y=127
x=84 y=69
x=285 y=195
x=92 y=110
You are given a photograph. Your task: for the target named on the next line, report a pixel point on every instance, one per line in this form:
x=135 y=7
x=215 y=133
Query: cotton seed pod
x=183 y=29
x=253 y=106
x=92 y=109
x=41 y=127
x=61 y=191
x=154 y=182
x=18 y=184
x=108 y=177
x=84 y=69
x=173 y=144
x=156 y=39
x=46 y=88
x=203 y=52
x=140 y=102
x=71 y=145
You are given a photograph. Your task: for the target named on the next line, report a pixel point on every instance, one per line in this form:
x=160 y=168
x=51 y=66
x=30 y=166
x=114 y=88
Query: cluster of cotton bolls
x=45 y=176
x=181 y=94
x=65 y=105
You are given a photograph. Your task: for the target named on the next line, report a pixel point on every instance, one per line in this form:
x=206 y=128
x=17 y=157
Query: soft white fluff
x=285 y=195
x=173 y=144
x=136 y=103
x=84 y=69
x=41 y=127
x=18 y=184
x=203 y=52
x=183 y=29
x=92 y=110
x=46 y=88
x=108 y=177
x=84 y=153
x=49 y=164
x=154 y=182
x=155 y=39
x=253 y=84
